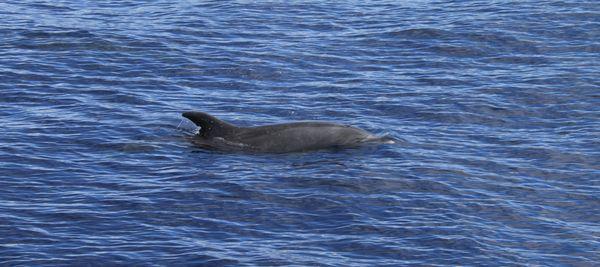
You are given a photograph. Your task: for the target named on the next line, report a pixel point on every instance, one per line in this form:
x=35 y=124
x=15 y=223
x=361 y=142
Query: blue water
x=496 y=105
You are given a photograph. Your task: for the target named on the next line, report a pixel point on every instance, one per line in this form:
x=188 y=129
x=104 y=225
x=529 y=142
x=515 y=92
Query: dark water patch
x=55 y=34
x=57 y=46
x=421 y=33
x=519 y=60
x=457 y=51
x=504 y=43
x=48 y=7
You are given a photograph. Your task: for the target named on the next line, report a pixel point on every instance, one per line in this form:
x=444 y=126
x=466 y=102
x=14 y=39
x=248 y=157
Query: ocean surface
x=495 y=106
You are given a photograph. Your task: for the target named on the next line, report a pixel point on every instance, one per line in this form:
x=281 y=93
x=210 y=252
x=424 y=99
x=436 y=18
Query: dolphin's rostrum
x=277 y=138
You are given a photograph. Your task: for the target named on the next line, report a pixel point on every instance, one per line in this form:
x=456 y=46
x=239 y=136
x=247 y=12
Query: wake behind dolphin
x=277 y=138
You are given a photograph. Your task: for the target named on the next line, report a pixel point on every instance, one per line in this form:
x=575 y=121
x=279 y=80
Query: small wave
x=38 y=34
x=420 y=33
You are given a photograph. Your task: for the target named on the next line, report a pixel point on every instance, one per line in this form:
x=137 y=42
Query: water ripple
x=495 y=108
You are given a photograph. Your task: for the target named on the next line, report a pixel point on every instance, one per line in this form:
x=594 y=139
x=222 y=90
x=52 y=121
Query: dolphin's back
x=299 y=136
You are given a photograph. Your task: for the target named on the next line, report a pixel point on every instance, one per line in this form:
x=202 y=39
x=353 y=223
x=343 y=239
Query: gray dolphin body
x=277 y=138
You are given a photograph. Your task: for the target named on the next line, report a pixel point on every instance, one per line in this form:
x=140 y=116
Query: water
x=496 y=104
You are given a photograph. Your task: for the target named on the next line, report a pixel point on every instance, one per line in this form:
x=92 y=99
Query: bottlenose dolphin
x=277 y=138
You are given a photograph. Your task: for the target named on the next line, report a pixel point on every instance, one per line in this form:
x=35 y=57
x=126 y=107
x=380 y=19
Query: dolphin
x=299 y=136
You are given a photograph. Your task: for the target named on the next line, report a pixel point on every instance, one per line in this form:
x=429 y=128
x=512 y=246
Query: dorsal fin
x=210 y=126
